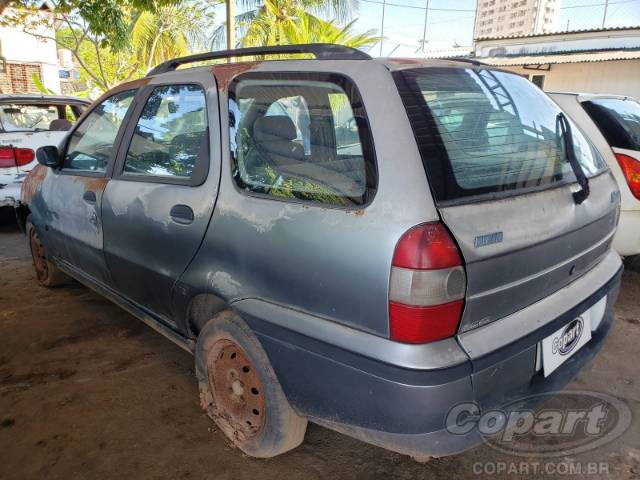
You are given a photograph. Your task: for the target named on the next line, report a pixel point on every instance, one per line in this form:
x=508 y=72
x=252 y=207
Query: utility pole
x=424 y=30
x=604 y=17
x=231 y=24
x=384 y=6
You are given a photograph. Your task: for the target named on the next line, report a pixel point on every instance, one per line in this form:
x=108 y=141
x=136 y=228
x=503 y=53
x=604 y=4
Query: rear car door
x=158 y=204
x=74 y=200
x=496 y=159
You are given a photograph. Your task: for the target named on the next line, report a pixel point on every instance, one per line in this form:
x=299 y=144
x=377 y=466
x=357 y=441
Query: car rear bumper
x=10 y=185
x=403 y=409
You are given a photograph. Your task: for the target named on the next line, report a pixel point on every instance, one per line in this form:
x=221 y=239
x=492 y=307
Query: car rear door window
x=302 y=137
x=92 y=143
x=170 y=134
x=618 y=119
x=483 y=131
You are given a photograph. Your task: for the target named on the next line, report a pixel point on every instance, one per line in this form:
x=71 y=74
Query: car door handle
x=89 y=196
x=182 y=214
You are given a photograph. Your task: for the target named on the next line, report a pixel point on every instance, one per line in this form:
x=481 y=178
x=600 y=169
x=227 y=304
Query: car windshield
x=483 y=131
x=16 y=117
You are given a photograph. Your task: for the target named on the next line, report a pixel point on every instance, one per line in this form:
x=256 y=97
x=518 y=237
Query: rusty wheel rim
x=39 y=257
x=237 y=391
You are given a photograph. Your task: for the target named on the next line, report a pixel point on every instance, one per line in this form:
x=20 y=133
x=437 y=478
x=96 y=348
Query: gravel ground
x=87 y=391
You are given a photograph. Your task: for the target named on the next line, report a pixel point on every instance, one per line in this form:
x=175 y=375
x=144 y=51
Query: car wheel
x=47 y=273
x=240 y=392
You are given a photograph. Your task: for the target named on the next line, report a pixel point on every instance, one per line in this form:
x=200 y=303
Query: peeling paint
x=224 y=74
x=32 y=183
x=94 y=184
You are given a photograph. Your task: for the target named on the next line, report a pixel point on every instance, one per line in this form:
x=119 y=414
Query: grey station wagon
x=359 y=243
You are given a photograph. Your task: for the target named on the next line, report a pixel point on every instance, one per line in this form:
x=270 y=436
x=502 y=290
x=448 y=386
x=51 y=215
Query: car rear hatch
x=496 y=152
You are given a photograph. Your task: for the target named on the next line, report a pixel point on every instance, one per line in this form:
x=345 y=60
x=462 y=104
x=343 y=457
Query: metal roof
x=550 y=34
x=567 y=57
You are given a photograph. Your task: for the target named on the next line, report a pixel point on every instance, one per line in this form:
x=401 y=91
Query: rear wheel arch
x=225 y=339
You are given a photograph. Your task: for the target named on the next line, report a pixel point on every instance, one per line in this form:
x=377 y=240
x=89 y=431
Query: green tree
x=107 y=19
x=303 y=28
x=268 y=18
x=152 y=37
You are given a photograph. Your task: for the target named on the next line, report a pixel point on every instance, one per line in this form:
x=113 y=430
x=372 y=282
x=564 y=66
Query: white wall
x=621 y=77
x=20 y=47
x=561 y=42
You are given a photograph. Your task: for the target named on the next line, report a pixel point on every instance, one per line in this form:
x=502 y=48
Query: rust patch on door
x=227 y=72
x=32 y=183
x=93 y=184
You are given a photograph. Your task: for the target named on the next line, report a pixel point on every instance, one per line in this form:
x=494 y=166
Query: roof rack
x=322 y=51
x=473 y=61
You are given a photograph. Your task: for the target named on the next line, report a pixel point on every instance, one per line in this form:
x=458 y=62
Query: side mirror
x=49 y=156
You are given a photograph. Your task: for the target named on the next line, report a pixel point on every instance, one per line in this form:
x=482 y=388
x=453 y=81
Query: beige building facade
x=497 y=18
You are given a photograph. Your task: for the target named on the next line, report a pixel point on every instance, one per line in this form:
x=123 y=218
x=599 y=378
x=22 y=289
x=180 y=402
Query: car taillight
x=631 y=170
x=15 y=157
x=427 y=286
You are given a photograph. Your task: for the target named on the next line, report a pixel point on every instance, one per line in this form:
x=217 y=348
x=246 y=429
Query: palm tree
x=304 y=28
x=169 y=32
x=278 y=15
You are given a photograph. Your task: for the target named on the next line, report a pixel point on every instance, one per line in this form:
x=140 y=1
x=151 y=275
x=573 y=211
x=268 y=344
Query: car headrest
x=274 y=128
x=60 y=125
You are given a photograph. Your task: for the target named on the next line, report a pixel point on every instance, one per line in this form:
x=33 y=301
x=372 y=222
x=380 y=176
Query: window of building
x=538 y=80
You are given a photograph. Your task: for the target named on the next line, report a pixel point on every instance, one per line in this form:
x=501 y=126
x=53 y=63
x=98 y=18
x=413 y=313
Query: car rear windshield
x=483 y=131
x=27 y=117
x=618 y=119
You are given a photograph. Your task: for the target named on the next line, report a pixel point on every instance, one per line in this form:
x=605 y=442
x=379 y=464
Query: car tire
x=47 y=273
x=240 y=392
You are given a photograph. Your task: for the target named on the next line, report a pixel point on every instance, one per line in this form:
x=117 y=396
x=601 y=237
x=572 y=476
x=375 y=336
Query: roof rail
x=473 y=61
x=322 y=51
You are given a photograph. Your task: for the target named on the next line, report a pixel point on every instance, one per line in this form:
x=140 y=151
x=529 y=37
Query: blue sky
x=451 y=21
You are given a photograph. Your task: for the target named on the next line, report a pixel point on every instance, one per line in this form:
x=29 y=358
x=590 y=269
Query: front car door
x=157 y=207
x=74 y=199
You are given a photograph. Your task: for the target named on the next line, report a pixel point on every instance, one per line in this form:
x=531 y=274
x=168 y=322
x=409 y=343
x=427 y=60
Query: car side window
x=92 y=143
x=301 y=136
x=170 y=135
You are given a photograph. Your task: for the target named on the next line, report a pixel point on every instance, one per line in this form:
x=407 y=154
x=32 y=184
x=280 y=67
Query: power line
x=415 y=7
x=588 y=5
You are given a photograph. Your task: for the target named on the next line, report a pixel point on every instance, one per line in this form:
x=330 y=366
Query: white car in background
x=28 y=122
x=612 y=122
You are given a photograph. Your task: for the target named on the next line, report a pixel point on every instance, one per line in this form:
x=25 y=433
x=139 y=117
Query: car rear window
x=301 y=136
x=618 y=119
x=483 y=131
x=27 y=118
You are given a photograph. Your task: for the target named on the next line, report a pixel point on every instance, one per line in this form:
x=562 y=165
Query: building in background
x=22 y=55
x=589 y=61
x=68 y=73
x=498 y=18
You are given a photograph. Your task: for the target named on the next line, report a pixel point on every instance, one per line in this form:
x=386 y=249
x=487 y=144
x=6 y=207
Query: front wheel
x=47 y=273
x=240 y=392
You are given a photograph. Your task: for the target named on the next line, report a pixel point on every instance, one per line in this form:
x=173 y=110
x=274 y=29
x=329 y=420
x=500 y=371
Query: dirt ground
x=87 y=391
